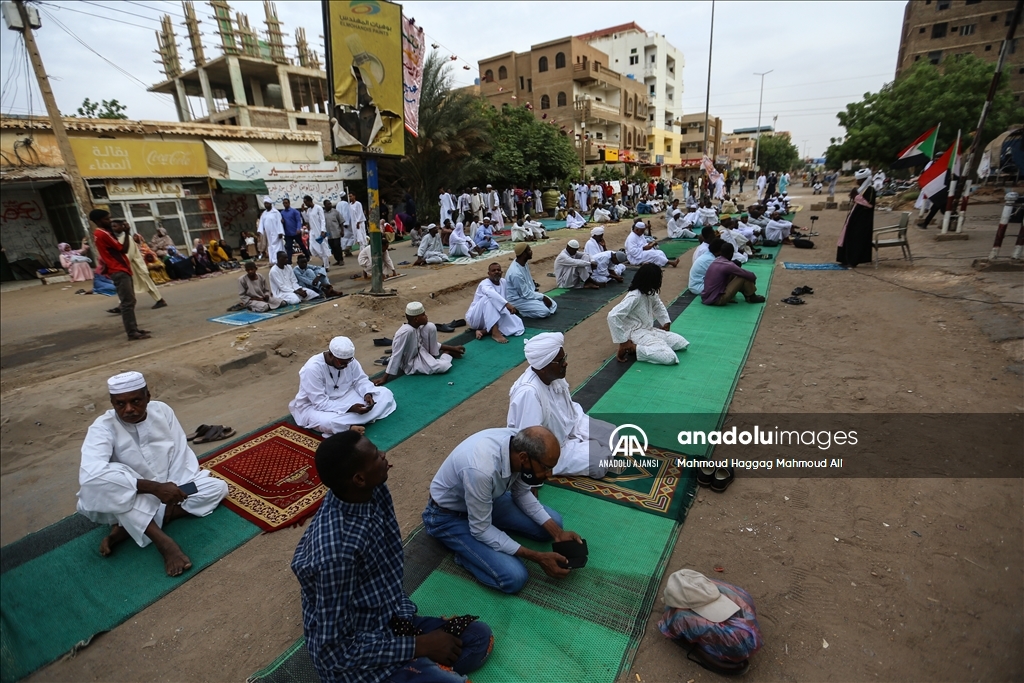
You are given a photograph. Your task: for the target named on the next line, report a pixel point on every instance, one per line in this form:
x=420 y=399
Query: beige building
x=568 y=83
x=936 y=29
x=692 y=126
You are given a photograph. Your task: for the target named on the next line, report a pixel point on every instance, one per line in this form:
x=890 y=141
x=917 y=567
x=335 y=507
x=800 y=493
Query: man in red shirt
x=724 y=280
x=112 y=247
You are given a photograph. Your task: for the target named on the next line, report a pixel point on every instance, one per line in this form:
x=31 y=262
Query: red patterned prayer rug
x=271 y=475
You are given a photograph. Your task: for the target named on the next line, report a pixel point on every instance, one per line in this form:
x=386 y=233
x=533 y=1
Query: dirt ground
x=903 y=579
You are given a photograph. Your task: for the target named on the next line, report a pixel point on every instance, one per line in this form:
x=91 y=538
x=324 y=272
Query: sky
x=822 y=54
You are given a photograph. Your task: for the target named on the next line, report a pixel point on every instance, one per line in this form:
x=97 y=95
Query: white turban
x=543 y=348
x=597 y=231
x=342 y=348
x=574 y=244
x=268 y=200
x=414 y=308
x=862 y=174
x=126 y=382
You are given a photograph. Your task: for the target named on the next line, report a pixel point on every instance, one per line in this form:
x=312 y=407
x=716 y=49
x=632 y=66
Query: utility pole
x=707 y=100
x=82 y=197
x=757 y=153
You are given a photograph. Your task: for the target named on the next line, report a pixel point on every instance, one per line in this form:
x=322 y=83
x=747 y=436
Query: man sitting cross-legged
x=358 y=622
x=522 y=290
x=640 y=251
x=335 y=394
x=431 y=250
x=478 y=497
x=490 y=312
x=283 y=284
x=541 y=396
x=573 y=268
x=700 y=266
x=484 y=236
x=724 y=279
x=254 y=293
x=640 y=324
x=415 y=349
x=314 y=278
x=136 y=473
x=574 y=221
x=607 y=265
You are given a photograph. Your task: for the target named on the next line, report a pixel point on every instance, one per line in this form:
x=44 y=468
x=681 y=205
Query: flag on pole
x=934 y=179
x=920 y=151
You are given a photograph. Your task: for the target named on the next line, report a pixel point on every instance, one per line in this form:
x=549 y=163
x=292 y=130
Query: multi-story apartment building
x=569 y=83
x=740 y=146
x=648 y=57
x=936 y=29
x=692 y=139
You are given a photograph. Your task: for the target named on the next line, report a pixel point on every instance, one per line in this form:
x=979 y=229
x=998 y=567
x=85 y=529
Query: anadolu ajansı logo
x=364 y=6
x=625 y=442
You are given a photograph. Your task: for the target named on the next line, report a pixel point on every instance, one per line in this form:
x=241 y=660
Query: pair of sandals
x=450 y=327
x=384 y=360
x=795 y=299
x=717 y=479
x=208 y=433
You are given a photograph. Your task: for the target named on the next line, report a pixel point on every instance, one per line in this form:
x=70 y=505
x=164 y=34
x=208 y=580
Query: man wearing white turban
x=640 y=251
x=677 y=226
x=541 y=397
x=335 y=394
x=573 y=268
x=272 y=228
x=490 y=312
x=138 y=473
x=415 y=349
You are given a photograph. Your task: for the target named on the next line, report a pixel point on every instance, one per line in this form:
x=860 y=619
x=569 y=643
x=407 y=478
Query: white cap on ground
x=543 y=348
x=688 y=589
x=126 y=382
x=342 y=348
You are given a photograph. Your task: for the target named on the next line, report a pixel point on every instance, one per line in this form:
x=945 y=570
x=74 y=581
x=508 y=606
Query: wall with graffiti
x=237 y=212
x=25 y=230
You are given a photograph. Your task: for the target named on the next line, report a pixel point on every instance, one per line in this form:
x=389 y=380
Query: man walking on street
x=112 y=248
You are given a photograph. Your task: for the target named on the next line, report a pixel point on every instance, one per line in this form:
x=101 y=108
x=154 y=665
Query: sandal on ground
x=445 y=328
x=383 y=341
x=381 y=361
x=461 y=322
x=794 y=300
x=215 y=433
x=705 y=475
x=805 y=290
x=200 y=430
x=723 y=477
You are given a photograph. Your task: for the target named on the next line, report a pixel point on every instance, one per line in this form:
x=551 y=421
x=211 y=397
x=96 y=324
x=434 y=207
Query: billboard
x=106 y=158
x=364 y=66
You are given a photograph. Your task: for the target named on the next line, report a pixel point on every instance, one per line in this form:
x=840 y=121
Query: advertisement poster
x=364 y=45
x=413 y=55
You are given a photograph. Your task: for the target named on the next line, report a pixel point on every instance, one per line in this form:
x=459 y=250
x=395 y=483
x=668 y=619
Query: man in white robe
x=335 y=394
x=272 y=228
x=415 y=349
x=521 y=289
x=318 y=244
x=573 y=267
x=574 y=220
x=284 y=285
x=476 y=204
x=431 y=249
x=348 y=235
x=447 y=206
x=138 y=473
x=677 y=228
x=490 y=312
x=357 y=219
x=777 y=229
x=606 y=264
x=525 y=230
x=541 y=396
x=640 y=324
x=464 y=207
x=459 y=244
x=535 y=227
x=639 y=250
x=595 y=245
x=494 y=208
x=582 y=196
x=762 y=183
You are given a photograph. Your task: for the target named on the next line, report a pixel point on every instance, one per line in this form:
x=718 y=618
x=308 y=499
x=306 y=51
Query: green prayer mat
x=674 y=248
x=58 y=601
x=583 y=628
x=575 y=306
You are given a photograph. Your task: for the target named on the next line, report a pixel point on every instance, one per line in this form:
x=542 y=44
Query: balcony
x=594 y=149
x=592 y=72
x=592 y=110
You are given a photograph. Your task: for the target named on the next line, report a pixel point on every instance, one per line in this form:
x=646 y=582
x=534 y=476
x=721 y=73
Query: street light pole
x=707 y=100
x=760 y=101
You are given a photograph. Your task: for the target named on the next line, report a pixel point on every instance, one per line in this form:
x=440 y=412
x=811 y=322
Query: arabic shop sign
x=102 y=158
x=277 y=171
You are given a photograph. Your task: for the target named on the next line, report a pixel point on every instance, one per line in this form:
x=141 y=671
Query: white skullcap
x=597 y=231
x=414 y=308
x=543 y=348
x=267 y=200
x=574 y=244
x=431 y=226
x=639 y=224
x=342 y=348
x=126 y=382
x=862 y=174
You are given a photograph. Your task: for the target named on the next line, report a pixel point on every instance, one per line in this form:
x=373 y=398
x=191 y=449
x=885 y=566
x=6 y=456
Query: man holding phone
x=138 y=473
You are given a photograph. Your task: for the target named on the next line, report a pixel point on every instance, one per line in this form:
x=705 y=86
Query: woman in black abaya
x=855 y=239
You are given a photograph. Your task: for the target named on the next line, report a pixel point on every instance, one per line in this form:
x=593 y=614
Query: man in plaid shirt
x=360 y=626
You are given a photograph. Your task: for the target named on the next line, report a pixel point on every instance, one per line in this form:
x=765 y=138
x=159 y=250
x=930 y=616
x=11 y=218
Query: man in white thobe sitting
x=415 y=349
x=541 y=396
x=484 y=236
x=777 y=229
x=490 y=312
x=596 y=245
x=283 y=284
x=574 y=220
x=138 y=473
x=521 y=288
x=736 y=239
x=526 y=231
x=573 y=268
x=706 y=214
x=677 y=228
x=750 y=231
x=640 y=251
x=431 y=249
x=535 y=227
x=335 y=394
x=602 y=215
x=639 y=323
x=605 y=265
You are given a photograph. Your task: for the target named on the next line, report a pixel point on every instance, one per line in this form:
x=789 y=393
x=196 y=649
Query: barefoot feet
x=117 y=534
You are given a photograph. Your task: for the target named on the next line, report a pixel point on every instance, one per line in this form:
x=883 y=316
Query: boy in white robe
x=335 y=394
x=415 y=349
x=640 y=251
x=573 y=268
x=135 y=461
x=541 y=396
x=284 y=285
x=476 y=205
x=431 y=249
x=640 y=324
x=318 y=236
x=521 y=289
x=605 y=266
x=595 y=245
x=365 y=260
x=490 y=312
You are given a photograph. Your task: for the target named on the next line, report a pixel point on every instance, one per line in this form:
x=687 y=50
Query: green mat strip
x=676 y=248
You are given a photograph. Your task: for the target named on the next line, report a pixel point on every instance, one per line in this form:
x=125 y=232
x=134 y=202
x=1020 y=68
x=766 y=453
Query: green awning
x=243 y=187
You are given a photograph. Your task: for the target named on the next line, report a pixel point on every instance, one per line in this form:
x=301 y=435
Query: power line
x=98 y=16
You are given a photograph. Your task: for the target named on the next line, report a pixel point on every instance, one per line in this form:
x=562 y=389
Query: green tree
x=777 y=153
x=104 y=109
x=883 y=123
x=454 y=135
x=527 y=151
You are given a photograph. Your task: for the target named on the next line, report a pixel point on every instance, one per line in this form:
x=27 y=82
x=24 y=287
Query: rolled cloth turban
x=521 y=247
x=126 y=382
x=574 y=244
x=412 y=309
x=342 y=348
x=862 y=174
x=268 y=200
x=543 y=348
x=596 y=232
